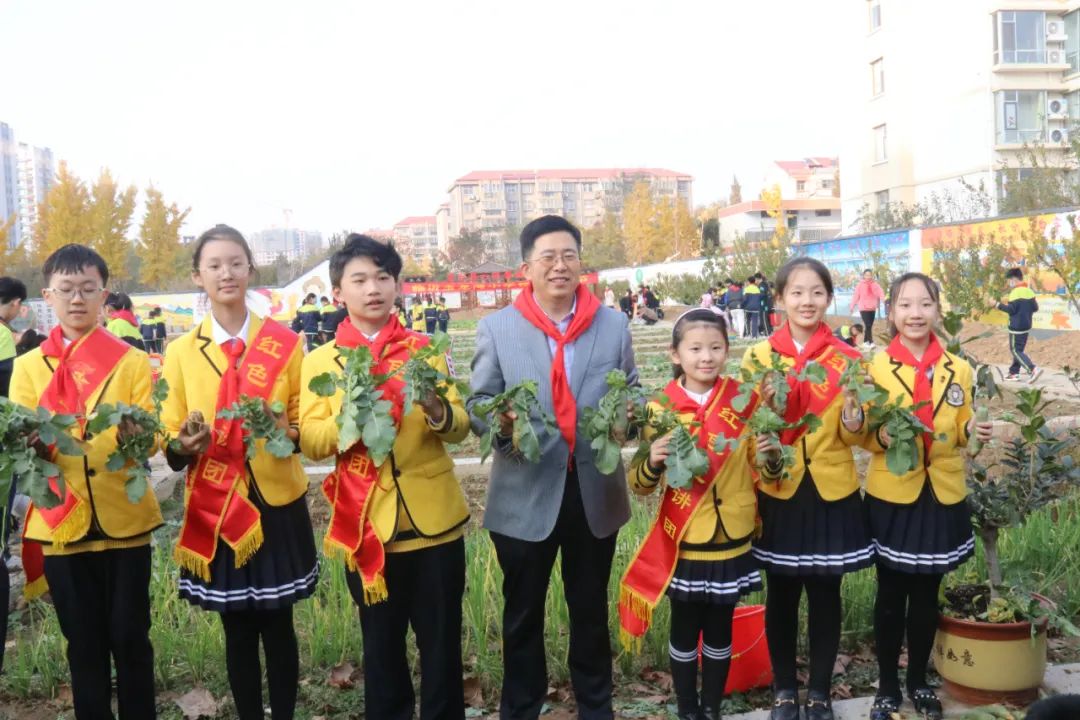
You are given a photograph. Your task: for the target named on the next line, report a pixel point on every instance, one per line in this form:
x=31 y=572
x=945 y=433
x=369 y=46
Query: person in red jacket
x=868 y=296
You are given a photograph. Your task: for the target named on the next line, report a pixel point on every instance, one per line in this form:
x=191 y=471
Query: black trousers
x=586 y=566
x=868 y=324
x=102 y=600
x=425 y=589
x=1017 y=344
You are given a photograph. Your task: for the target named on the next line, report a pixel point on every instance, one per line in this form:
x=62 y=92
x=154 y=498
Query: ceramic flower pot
x=985 y=663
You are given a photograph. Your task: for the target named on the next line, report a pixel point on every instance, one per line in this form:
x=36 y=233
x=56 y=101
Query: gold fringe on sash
x=641 y=608
x=35 y=589
x=247 y=545
x=193 y=563
x=375 y=591
x=73 y=527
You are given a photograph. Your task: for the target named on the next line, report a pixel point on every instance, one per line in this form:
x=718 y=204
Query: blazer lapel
x=943 y=379
x=208 y=348
x=534 y=343
x=583 y=350
x=897 y=366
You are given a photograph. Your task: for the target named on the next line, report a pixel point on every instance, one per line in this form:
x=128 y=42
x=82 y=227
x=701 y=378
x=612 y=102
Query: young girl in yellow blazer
x=698 y=550
x=246 y=547
x=398 y=526
x=813 y=529
x=94 y=548
x=919 y=521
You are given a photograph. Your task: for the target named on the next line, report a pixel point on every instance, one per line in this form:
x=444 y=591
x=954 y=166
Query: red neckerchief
x=802 y=396
x=561 y=396
x=923 y=391
x=124 y=315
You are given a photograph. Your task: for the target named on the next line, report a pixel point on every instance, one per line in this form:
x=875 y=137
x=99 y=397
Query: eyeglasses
x=569 y=257
x=237 y=269
x=69 y=293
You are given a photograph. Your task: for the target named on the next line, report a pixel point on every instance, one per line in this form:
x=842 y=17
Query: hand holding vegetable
x=194 y=436
x=659 y=451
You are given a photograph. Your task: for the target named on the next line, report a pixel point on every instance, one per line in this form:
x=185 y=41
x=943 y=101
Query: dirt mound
x=1056 y=352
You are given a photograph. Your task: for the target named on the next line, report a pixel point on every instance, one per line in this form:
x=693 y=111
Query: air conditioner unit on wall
x=1055 y=31
x=1056 y=57
x=1059 y=136
x=1057 y=107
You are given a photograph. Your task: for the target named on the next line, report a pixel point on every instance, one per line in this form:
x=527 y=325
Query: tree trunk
x=989 y=538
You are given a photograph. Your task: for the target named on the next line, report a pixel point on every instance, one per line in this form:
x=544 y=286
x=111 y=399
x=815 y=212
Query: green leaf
x=280 y=446
x=115 y=462
x=324 y=385
x=136 y=486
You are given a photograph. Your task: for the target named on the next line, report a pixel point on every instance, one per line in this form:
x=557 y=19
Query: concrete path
x=1059 y=679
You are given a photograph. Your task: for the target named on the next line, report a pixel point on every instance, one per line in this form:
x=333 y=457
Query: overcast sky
x=356 y=114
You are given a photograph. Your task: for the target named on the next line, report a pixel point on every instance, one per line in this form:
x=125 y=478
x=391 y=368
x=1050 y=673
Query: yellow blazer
x=193 y=367
x=826 y=453
x=951 y=390
x=727 y=513
x=115 y=522
x=417 y=502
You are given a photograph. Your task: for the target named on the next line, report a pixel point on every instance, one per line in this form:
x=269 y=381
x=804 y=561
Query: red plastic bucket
x=750 y=664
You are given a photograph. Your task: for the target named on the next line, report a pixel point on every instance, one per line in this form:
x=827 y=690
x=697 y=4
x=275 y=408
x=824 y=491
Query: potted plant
x=991 y=641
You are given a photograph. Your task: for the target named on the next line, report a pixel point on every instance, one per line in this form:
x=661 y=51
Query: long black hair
x=698 y=317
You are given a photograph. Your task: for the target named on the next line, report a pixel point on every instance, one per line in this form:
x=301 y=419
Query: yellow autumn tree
x=10 y=257
x=110 y=217
x=159 y=241
x=64 y=216
x=643 y=240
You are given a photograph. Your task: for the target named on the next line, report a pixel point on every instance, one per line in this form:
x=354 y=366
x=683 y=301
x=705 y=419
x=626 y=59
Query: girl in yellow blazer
x=919 y=521
x=813 y=528
x=397 y=526
x=246 y=547
x=698 y=550
x=96 y=544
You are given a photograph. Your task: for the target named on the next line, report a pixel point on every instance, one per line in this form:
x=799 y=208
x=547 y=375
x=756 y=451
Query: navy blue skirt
x=806 y=535
x=284 y=570
x=715 y=582
x=923 y=538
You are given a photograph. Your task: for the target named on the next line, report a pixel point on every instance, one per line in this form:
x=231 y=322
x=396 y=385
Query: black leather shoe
x=688 y=708
x=884 y=706
x=785 y=705
x=926 y=703
x=818 y=706
x=711 y=713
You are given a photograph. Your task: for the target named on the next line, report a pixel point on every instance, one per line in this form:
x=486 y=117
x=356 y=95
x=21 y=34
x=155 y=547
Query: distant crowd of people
x=747 y=306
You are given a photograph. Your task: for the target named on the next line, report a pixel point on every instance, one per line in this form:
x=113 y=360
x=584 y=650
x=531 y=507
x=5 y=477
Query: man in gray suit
x=557 y=334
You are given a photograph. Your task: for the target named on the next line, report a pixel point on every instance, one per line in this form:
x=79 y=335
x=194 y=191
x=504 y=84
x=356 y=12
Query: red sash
x=83 y=366
x=562 y=398
x=922 y=392
x=806 y=397
x=216 y=505
x=350 y=487
x=650 y=572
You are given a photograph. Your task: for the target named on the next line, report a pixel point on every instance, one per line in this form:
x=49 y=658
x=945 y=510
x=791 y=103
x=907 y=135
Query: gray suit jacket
x=524 y=498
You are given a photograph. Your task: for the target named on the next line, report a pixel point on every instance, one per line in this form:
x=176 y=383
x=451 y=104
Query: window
x=1020 y=37
x=827 y=183
x=468 y=190
x=1072 y=41
x=511 y=205
x=800 y=185
x=880 y=150
x=823 y=213
x=526 y=188
x=877 y=76
x=881 y=199
x=1020 y=116
x=875 y=15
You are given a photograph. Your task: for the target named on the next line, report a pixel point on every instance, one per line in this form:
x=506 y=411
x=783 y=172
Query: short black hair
x=1014 y=274
x=356 y=245
x=542 y=226
x=73 y=258
x=324 y=299
x=11 y=289
x=119 y=301
x=868 y=270
x=857 y=326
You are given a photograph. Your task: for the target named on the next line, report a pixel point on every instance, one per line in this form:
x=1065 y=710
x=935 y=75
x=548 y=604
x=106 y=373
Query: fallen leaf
x=341 y=676
x=902 y=661
x=841 y=691
x=474 y=696
x=63 y=694
x=655 y=699
x=639 y=689
x=841 y=664
x=658 y=678
x=197 y=703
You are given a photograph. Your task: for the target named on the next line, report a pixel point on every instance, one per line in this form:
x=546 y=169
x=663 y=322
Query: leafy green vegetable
x=421 y=378
x=686 y=461
x=19 y=460
x=132 y=451
x=607 y=425
x=522 y=400
x=260 y=425
x=769 y=421
x=365 y=415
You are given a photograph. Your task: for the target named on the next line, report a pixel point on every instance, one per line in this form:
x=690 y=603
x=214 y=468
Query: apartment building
x=954 y=90
x=488 y=200
x=417 y=237
x=37 y=171
x=290 y=243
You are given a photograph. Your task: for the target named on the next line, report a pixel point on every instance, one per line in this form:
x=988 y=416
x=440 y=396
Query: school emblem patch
x=954 y=395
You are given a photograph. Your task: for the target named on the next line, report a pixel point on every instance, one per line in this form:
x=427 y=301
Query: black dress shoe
x=884 y=706
x=711 y=713
x=818 y=706
x=785 y=705
x=926 y=703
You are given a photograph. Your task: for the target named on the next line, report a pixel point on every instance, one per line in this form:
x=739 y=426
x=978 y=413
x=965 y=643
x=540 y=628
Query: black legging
x=243 y=630
x=712 y=624
x=904 y=600
x=782 y=627
x=868 y=324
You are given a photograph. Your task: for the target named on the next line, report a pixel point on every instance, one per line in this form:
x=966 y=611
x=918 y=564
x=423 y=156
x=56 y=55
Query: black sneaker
x=926 y=703
x=818 y=706
x=884 y=707
x=785 y=705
